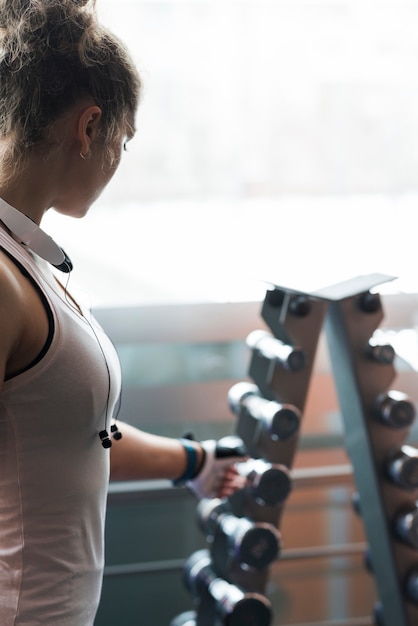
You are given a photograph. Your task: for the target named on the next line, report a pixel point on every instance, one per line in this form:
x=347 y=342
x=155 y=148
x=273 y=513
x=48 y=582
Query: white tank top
x=53 y=469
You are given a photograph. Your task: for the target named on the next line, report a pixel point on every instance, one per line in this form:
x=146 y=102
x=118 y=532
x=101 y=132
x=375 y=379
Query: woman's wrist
x=195 y=459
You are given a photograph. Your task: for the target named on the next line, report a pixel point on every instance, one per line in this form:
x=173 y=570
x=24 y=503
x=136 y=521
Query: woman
x=68 y=98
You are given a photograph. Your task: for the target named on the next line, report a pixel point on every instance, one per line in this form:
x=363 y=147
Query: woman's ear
x=88 y=128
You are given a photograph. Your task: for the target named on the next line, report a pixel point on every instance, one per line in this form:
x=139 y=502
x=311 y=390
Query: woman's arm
x=143 y=456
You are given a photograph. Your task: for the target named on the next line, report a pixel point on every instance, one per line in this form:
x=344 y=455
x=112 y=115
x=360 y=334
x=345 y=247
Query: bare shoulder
x=10 y=286
x=12 y=305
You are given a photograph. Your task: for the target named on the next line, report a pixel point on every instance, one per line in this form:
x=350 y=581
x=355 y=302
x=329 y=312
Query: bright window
x=277 y=141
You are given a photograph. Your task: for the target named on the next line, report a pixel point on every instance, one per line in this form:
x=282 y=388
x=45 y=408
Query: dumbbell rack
x=376 y=422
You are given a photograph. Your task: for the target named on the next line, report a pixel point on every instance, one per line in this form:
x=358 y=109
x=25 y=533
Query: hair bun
x=11 y=11
x=31 y=29
x=18 y=12
x=80 y=4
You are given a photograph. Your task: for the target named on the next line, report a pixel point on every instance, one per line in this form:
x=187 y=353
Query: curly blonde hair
x=54 y=53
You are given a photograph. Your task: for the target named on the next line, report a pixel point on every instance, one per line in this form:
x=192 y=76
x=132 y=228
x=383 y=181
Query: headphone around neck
x=34 y=237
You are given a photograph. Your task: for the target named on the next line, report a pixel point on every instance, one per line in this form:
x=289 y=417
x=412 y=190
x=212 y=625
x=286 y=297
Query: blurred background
x=277 y=142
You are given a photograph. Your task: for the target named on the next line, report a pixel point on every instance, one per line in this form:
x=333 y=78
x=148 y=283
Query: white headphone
x=34 y=237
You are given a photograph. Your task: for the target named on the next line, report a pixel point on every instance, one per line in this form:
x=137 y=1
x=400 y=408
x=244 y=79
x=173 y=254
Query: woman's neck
x=19 y=197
